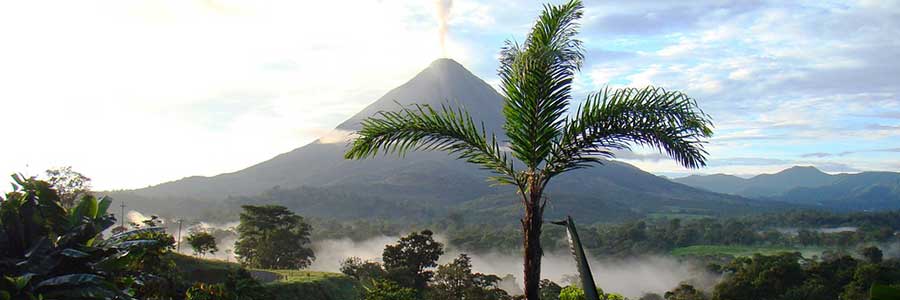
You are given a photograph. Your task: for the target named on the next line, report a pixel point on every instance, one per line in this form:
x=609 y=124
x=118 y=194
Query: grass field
x=738 y=251
x=282 y=284
x=196 y=269
x=303 y=285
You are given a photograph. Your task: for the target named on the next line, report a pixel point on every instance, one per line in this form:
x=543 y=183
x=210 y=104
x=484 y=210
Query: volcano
x=316 y=180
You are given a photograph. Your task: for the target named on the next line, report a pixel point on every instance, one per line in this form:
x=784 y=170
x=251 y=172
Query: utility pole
x=178 y=247
x=122 y=217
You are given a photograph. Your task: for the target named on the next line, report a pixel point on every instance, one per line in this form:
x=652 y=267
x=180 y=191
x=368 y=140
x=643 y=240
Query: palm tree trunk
x=531 y=227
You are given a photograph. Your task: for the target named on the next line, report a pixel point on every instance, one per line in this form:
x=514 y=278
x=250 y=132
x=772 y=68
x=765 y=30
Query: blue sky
x=140 y=92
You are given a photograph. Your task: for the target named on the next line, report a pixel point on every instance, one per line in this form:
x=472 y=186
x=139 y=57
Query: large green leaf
x=105 y=202
x=84 y=292
x=135 y=243
x=72 y=280
x=87 y=208
x=132 y=234
x=74 y=253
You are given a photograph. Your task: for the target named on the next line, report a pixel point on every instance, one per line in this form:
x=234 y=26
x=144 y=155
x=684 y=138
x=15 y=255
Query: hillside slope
x=316 y=180
x=811 y=187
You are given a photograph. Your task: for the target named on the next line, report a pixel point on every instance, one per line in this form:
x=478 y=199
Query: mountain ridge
x=436 y=181
x=807 y=185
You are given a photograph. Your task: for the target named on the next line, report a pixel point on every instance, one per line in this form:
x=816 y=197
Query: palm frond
x=669 y=121
x=422 y=128
x=536 y=79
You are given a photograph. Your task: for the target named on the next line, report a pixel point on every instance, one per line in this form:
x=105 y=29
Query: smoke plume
x=443 y=15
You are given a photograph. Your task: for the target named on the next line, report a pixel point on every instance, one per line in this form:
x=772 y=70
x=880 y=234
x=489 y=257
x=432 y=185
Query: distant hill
x=809 y=186
x=316 y=180
x=760 y=186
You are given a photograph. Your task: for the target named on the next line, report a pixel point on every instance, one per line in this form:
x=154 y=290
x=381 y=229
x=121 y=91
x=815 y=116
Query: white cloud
x=141 y=92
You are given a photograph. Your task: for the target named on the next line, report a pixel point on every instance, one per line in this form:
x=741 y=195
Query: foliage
x=48 y=251
x=203 y=291
x=388 y=290
x=202 y=243
x=154 y=267
x=872 y=254
x=455 y=280
x=407 y=263
x=241 y=285
x=571 y=293
x=790 y=276
x=364 y=271
x=651 y=296
x=614 y=296
x=69 y=184
x=685 y=292
x=753 y=234
x=273 y=237
x=549 y=290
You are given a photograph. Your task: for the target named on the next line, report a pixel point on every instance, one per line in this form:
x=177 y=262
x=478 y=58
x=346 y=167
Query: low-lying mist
x=630 y=277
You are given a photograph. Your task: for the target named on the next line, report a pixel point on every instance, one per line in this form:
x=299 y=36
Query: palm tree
x=536 y=80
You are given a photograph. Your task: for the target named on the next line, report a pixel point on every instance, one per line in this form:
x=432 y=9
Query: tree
x=455 y=281
x=536 y=80
x=549 y=290
x=68 y=184
x=761 y=277
x=872 y=254
x=202 y=242
x=363 y=271
x=571 y=293
x=273 y=237
x=389 y=290
x=408 y=261
x=651 y=296
x=685 y=292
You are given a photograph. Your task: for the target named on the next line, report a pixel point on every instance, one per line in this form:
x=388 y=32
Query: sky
x=135 y=93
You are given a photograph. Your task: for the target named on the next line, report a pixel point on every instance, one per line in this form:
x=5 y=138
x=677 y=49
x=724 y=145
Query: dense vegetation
x=791 y=276
x=788 y=231
x=49 y=250
x=408 y=272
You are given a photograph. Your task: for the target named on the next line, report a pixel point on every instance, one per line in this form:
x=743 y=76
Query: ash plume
x=443 y=16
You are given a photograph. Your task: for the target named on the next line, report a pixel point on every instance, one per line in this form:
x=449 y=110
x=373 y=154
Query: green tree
x=69 y=184
x=571 y=293
x=389 y=290
x=651 y=296
x=761 y=277
x=408 y=261
x=613 y=296
x=455 y=281
x=685 y=292
x=536 y=80
x=202 y=242
x=872 y=254
x=364 y=271
x=273 y=237
x=549 y=290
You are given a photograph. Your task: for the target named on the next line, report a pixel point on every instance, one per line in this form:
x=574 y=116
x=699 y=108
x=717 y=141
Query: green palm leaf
x=423 y=128
x=536 y=78
x=666 y=120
